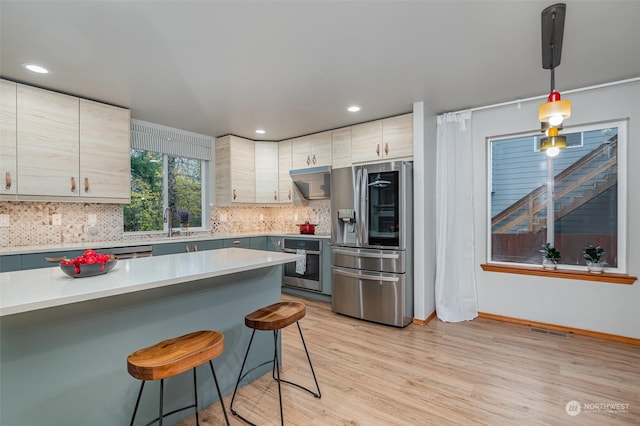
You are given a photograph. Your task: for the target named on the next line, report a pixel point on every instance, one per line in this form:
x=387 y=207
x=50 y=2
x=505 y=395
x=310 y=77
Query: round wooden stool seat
x=174 y=356
x=276 y=316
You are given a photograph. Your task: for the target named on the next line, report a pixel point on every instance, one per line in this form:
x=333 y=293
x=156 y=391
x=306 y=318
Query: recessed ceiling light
x=36 y=68
x=261 y=132
x=353 y=108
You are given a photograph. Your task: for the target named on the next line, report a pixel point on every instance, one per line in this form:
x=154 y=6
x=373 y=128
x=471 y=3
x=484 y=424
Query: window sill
x=561 y=273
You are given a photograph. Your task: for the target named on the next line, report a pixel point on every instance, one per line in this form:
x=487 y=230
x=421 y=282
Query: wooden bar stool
x=172 y=357
x=275 y=317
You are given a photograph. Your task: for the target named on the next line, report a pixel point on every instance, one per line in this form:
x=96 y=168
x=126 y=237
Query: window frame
x=622 y=175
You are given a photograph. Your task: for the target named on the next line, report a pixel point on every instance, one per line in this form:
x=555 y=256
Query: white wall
x=602 y=307
x=424 y=221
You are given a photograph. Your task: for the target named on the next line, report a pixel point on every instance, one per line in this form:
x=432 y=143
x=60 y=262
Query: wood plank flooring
x=480 y=372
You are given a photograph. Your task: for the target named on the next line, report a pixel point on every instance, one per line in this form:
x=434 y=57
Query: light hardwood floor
x=475 y=372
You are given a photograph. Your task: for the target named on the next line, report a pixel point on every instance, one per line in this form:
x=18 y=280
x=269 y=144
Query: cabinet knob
x=186 y=248
x=195 y=247
x=86 y=184
x=73 y=184
x=234 y=194
x=7 y=180
x=314 y=159
x=377 y=149
x=386 y=149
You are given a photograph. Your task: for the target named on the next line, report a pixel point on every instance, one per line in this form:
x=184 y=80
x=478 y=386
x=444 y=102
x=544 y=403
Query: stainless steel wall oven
x=306 y=274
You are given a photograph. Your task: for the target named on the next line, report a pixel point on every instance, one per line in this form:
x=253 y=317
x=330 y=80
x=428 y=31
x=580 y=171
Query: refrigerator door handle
x=364 y=208
x=369 y=255
x=356 y=203
x=366 y=277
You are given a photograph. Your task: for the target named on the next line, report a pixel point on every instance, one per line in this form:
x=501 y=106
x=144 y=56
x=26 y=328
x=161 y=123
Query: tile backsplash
x=36 y=223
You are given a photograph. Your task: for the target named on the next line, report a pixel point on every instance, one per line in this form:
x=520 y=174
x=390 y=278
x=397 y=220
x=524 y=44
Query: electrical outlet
x=261 y=216
x=56 y=219
x=92 y=220
x=295 y=216
x=223 y=217
x=4 y=220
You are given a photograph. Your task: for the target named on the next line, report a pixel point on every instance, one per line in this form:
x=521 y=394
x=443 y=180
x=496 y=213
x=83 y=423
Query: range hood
x=313 y=183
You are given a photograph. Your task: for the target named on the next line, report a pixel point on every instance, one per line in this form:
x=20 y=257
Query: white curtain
x=456 y=298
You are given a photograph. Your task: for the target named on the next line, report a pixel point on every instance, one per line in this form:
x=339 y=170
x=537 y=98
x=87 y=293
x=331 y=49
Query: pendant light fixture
x=553 y=113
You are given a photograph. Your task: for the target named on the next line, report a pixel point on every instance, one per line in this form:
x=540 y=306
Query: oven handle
x=306 y=251
x=362 y=254
x=366 y=277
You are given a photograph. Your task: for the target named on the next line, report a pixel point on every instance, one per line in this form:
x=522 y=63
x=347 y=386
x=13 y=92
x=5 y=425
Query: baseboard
x=577 y=331
x=424 y=321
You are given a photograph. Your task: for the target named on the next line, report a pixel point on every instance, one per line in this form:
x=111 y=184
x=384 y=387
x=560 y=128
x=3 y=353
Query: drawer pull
x=235 y=195
x=378 y=149
x=275 y=195
x=7 y=179
x=386 y=149
x=73 y=184
x=86 y=184
x=237 y=242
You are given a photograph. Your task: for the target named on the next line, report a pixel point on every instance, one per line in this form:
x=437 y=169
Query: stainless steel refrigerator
x=372 y=242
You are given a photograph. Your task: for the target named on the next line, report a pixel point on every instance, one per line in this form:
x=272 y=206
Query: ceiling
x=293 y=67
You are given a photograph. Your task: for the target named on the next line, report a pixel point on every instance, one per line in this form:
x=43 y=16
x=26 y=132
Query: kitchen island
x=64 y=341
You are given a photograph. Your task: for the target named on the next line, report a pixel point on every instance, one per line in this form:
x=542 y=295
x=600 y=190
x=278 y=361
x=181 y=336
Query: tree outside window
x=159 y=182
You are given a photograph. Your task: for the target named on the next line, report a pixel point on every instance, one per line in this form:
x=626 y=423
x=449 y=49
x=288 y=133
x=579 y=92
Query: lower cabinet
x=255 y=243
x=185 y=247
x=37 y=260
x=11 y=263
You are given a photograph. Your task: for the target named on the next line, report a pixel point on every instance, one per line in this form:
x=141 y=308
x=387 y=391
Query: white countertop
x=24 y=291
x=148 y=242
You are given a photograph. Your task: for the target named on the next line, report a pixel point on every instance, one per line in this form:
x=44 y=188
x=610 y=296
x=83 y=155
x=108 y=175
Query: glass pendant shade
x=555 y=111
x=553 y=143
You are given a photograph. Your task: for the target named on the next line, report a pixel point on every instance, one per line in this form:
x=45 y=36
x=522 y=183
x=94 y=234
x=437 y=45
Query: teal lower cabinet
x=10 y=263
x=255 y=243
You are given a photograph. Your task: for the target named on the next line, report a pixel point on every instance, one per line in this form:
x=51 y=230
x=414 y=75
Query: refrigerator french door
x=372 y=245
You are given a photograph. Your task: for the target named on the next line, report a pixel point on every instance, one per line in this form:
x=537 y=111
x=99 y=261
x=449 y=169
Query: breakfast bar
x=64 y=341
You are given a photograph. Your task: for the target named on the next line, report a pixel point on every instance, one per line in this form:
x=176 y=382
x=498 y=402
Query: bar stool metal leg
x=135 y=410
x=195 y=395
x=215 y=380
x=161 y=401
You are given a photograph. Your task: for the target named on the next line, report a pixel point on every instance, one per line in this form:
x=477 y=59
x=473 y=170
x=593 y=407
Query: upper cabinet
x=397 y=136
x=312 y=150
x=48 y=143
x=8 y=158
x=63 y=148
x=285 y=161
x=266 y=176
x=380 y=140
x=235 y=171
x=341 y=147
x=105 y=153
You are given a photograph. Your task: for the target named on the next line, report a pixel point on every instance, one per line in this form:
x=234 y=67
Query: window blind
x=167 y=140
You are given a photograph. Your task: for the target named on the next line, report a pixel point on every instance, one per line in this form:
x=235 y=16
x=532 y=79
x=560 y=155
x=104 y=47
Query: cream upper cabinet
x=105 y=151
x=341 y=148
x=312 y=150
x=235 y=171
x=8 y=137
x=397 y=136
x=382 y=140
x=285 y=161
x=266 y=167
x=366 y=142
x=48 y=143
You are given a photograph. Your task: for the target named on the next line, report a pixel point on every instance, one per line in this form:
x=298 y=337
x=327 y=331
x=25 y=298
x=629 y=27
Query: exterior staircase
x=575 y=186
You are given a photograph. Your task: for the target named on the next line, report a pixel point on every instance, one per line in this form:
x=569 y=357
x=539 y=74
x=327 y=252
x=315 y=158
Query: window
x=572 y=200
x=168 y=174
x=160 y=182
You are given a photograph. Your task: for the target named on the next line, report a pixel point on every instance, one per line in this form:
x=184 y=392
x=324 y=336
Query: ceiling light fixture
x=353 y=108
x=553 y=113
x=553 y=143
x=36 y=68
x=261 y=131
